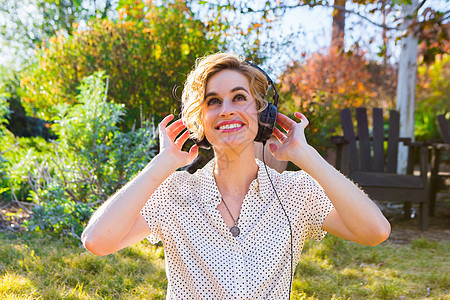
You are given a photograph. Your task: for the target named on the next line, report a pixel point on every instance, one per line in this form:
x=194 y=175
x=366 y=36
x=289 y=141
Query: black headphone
x=266 y=121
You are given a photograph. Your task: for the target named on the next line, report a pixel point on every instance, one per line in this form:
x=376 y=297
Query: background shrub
x=433 y=97
x=90 y=160
x=146 y=53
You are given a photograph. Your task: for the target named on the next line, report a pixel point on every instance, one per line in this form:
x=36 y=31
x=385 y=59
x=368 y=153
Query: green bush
x=433 y=97
x=91 y=159
x=146 y=53
x=5 y=93
x=23 y=159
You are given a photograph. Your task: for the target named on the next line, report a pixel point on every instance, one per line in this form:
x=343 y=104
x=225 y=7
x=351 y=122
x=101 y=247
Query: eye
x=240 y=97
x=213 y=101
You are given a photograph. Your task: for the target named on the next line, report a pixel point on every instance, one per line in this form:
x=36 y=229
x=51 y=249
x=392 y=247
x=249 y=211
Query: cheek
x=207 y=122
x=255 y=119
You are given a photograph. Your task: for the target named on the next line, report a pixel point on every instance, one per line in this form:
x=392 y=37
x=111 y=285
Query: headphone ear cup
x=267 y=119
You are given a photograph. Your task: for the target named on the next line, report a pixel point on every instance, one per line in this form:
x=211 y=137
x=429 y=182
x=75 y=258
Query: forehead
x=226 y=80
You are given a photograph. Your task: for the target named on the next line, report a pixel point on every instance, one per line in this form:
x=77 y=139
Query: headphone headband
x=275 y=95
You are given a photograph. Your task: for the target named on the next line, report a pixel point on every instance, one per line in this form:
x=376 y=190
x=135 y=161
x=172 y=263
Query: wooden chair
x=362 y=158
x=437 y=178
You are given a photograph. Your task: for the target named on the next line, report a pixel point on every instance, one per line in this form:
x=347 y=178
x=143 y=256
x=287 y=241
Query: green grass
x=38 y=266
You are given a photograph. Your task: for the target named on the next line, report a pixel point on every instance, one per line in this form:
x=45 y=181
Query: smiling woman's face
x=230 y=116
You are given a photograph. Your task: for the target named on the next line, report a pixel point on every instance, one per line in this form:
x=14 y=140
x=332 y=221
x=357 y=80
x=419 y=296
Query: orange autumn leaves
x=336 y=78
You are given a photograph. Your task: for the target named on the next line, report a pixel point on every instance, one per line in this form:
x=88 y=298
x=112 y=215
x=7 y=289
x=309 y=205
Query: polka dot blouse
x=204 y=260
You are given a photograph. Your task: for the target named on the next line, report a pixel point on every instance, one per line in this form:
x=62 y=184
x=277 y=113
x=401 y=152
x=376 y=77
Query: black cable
x=287 y=217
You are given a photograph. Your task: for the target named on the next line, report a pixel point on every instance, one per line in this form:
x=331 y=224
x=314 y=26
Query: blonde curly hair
x=195 y=87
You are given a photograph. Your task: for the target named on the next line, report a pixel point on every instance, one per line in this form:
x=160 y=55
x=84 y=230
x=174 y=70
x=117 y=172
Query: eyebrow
x=238 y=88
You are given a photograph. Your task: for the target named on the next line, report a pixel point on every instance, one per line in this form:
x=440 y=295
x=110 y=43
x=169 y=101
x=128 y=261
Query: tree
x=338 y=26
x=324 y=84
x=410 y=26
x=407 y=72
x=146 y=53
x=406 y=84
x=30 y=22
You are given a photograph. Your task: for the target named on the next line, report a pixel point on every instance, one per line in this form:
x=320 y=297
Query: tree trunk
x=406 y=84
x=338 y=27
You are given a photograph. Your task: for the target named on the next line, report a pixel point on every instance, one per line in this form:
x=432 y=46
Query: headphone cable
x=287 y=217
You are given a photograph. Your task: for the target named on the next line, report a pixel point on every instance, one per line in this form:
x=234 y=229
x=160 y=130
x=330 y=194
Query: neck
x=235 y=171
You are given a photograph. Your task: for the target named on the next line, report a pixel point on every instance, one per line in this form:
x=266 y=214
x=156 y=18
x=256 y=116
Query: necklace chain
x=235 y=221
x=235 y=231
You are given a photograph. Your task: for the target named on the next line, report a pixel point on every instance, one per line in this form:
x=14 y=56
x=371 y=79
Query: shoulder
x=180 y=180
x=296 y=179
x=287 y=179
x=183 y=181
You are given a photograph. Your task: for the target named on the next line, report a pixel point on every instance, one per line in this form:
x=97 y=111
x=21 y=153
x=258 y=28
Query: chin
x=234 y=143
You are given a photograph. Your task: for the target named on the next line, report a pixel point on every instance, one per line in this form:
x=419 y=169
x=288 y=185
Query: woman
x=233 y=229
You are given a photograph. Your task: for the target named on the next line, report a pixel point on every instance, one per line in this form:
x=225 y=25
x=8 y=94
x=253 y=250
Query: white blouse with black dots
x=203 y=259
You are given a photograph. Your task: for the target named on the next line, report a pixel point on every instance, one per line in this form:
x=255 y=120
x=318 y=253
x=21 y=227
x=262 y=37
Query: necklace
x=235 y=231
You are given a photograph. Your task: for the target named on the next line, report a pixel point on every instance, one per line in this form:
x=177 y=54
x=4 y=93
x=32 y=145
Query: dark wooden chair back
x=444 y=130
x=369 y=155
x=443 y=125
x=439 y=178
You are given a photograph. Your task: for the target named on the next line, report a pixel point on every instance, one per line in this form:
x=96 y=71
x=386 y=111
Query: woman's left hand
x=293 y=141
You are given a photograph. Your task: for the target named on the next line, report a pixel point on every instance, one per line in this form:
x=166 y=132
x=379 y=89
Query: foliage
x=433 y=32
x=22 y=157
x=7 y=89
x=31 y=22
x=90 y=160
x=433 y=97
x=253 y=36
x=146 y=54
x=34 y=265
x=429 y=24
x=5 y=93
x=60 y=216
x=19 y=156
x=322 y=86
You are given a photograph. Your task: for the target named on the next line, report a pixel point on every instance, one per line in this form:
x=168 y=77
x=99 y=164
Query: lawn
x=38 y=266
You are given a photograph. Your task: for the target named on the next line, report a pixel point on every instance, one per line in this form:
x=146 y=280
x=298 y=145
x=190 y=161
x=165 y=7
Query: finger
x=173 y=132
x=285 y=122
x=278 y=134
x=164 y=122
x=182 y=139
x=175 y=124
x=303 y=119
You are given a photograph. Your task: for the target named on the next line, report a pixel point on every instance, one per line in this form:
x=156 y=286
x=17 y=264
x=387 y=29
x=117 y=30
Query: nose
x=227 y=109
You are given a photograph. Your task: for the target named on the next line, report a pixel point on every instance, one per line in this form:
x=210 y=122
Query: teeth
x=230 y=126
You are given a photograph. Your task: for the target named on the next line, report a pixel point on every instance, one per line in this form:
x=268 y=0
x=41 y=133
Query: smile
x=231 y=127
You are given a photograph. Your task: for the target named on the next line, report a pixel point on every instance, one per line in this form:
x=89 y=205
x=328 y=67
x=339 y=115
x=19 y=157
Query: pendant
x=235 y=231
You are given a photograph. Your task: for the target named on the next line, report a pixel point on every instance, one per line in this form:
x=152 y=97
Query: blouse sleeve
x=317 y=208
x=152 y=209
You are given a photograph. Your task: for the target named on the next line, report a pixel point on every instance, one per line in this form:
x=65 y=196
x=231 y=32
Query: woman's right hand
x=171 y=147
